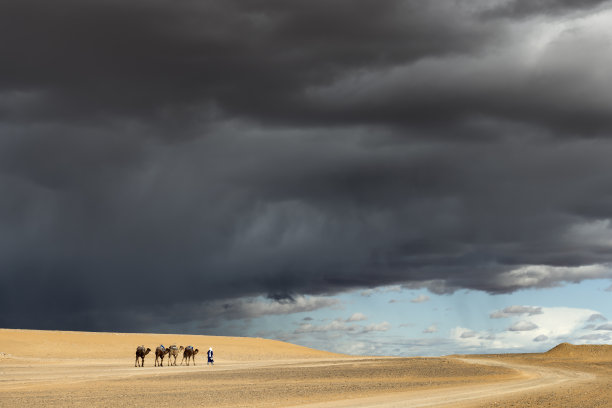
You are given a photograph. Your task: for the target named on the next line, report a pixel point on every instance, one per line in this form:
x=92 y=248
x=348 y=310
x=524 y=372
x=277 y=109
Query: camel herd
x=160 y=352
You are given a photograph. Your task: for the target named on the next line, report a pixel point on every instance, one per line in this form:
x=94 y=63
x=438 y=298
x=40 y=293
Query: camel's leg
x=142 y=364
x=136 y=362
x=193 y=357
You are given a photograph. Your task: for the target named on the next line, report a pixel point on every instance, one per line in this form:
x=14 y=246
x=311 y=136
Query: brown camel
x=189 y=353
x=141 y=353
x=173 y=351
x=160 y=352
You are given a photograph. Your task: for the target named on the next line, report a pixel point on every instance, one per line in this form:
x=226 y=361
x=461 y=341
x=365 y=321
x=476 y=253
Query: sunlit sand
x=80 y=369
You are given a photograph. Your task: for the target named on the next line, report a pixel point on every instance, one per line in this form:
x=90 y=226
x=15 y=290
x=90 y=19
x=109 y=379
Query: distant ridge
x=595 y=351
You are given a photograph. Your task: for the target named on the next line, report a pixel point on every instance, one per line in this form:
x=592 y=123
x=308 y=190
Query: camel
x=160 y=352
x=173 y=352
x=141 y=353
x=189 y=353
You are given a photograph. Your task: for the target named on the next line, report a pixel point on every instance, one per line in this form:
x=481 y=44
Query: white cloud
x=543 y=331
x=596 y=317
x=490 y=337
x=382 y=289
x=215 y=314
x=523 y=325
x=336 y=325
x=596 y=337
x=340 y=325
x=255 y=307
x=553 y=326
x=606 y=326
x=468 y=334
x=380 y=327
x=420 y=299
x=540 y=338
x=367 y=292
x=511 y=311
x=545 y=276
x=357 y=317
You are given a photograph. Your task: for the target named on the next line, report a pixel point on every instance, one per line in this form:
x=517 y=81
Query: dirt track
x=31 y=378
x=533 y=379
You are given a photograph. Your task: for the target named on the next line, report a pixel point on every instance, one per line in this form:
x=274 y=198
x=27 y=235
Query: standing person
x=210 y=357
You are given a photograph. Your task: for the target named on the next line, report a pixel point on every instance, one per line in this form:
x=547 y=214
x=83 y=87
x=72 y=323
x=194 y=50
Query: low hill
x=586 y=351
x=91 y=345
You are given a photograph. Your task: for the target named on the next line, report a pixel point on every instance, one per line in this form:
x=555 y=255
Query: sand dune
x=599 y=352
x=79 y=369
x=118 y=346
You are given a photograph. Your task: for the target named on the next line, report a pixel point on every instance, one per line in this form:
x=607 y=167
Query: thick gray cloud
x=165 y=59
x=159 y=155
x=527 y=8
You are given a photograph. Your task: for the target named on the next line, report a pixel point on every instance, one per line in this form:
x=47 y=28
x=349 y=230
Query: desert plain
x=84 y=369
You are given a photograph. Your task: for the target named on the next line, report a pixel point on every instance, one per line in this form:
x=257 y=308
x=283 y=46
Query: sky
x=390 y=178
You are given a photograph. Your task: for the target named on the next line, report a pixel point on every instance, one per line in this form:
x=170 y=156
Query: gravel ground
x=590 y=394
x=273 y=386
x=79 y=369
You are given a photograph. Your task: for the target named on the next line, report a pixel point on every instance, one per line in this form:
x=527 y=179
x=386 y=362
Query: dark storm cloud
x=398 y=62
x=525 y=8
x=255 y=59
x=159 y=160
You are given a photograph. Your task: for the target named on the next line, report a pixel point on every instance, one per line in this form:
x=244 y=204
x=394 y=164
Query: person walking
x=210 y=357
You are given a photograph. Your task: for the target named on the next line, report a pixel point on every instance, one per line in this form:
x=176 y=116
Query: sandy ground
x=72 y=369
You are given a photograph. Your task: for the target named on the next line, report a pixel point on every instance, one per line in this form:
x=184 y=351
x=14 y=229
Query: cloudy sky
x=400 y=177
